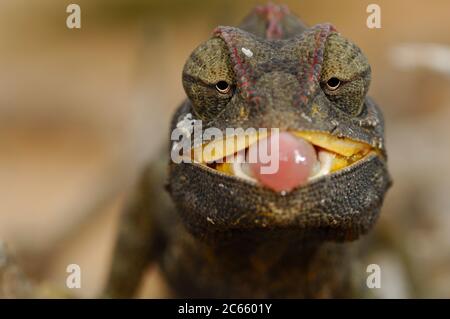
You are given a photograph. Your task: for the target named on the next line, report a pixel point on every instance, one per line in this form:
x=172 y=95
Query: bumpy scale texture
x=219 y=236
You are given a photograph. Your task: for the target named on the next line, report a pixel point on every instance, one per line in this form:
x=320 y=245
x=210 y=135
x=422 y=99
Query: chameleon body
x=218 y=235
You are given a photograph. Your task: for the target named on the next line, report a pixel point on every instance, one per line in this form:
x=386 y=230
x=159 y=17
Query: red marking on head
x=273 y=14
x=242 y=69
x=313 y=68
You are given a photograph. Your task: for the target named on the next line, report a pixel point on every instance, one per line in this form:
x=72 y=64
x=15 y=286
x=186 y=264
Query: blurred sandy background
x=82 y=110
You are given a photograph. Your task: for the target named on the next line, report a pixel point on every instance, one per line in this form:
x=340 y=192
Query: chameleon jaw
x=333 y=153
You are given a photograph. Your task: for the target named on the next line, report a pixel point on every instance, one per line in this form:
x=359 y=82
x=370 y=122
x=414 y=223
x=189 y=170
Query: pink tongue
x=295 y=158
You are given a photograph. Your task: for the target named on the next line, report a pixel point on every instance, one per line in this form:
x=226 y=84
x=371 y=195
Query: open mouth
x=301 y=157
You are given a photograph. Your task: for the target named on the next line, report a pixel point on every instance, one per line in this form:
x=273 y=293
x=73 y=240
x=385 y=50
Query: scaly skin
x=221 y=236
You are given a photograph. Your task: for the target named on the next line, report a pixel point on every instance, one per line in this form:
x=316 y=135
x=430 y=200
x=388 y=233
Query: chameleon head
x=311 y=87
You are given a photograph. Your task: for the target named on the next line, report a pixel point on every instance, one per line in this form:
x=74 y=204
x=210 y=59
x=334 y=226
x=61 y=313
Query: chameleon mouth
x=322 y=154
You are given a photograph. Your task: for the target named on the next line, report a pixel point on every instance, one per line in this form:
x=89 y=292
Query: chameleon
x=215 y=233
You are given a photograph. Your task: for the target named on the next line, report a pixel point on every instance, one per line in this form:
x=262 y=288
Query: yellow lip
x=343 y=151
x=221 y=148
x=342 y=146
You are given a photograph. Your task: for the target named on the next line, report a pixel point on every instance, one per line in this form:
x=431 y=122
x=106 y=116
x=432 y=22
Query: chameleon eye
x=223 y=87
x=333 y=84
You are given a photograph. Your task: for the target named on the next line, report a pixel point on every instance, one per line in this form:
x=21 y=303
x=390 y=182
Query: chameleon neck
x=276 y=267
